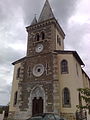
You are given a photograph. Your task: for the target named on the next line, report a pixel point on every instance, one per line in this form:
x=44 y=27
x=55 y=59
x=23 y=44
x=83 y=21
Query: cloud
x=64 y=9
x=5 y=91
x=78 y=33
x=12 y=43
x=75 y=35
x=8 y=55
x=12 y=32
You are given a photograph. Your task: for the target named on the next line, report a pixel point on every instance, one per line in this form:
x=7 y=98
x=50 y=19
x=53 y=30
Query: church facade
x=47 y=78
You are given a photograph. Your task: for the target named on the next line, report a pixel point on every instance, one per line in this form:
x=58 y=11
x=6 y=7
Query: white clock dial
x=38 y=70
x=39 y=48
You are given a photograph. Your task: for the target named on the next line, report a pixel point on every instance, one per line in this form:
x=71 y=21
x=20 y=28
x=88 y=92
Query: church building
x=47 y=78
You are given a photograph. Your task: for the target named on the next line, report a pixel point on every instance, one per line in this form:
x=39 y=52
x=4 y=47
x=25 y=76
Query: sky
x=72 y=15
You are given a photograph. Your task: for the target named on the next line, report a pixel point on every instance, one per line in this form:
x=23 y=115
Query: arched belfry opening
x=37 y=100
x=42 y=35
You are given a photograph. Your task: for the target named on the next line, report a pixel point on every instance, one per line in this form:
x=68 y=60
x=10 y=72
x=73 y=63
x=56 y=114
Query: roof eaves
x=78 y=58
x=75 y=54
x=86 y=74
x=17 y=61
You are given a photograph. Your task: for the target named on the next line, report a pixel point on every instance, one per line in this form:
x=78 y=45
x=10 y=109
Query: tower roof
x=46 y=12
x=34 y=21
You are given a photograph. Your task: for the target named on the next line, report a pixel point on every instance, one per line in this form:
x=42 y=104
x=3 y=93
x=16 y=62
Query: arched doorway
x=37 y=100
x=37 y=106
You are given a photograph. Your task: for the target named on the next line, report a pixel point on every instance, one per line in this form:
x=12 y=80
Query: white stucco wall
x=71 y=81
x=14 y=87
x=86 y=80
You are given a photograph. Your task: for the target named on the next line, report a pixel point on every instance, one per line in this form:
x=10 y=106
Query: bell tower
x=38 y=81
x=45 y=34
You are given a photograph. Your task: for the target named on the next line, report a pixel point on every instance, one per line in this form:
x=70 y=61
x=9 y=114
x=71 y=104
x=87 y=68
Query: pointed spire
x=46 y=12
x=34 y=21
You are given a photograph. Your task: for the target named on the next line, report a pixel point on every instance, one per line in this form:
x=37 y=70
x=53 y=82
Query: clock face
x=39 y=48
x=38 y=70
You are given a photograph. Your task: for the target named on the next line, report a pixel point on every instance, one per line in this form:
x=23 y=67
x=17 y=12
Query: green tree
x=84 y=94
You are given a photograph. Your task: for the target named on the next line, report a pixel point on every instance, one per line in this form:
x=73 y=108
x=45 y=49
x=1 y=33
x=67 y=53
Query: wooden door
x=34 y=106
x=37 y=106
x=40 y=105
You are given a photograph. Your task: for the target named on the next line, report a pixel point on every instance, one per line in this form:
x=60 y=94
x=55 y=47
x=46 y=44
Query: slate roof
x=46 y=12
x=34 y=21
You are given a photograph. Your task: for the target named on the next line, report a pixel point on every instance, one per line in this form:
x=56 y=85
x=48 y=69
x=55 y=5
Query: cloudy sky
x=15 y=15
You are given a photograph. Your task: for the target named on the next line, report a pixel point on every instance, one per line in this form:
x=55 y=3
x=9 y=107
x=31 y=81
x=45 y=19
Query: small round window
x=38 y=70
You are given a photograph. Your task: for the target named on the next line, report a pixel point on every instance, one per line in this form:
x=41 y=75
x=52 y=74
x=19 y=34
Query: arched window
x=37 y=37
x=66 y=97
x=64 y=66
x=18 y=73
x=15 y=98
x=42 y=35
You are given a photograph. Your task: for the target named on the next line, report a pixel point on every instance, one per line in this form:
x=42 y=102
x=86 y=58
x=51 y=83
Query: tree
x=84 y=94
